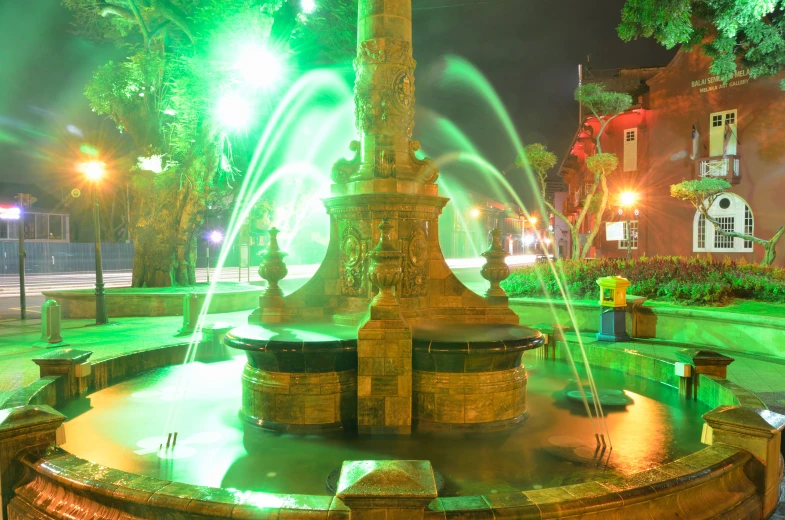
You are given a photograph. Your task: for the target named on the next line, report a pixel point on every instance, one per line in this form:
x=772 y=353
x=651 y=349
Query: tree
x=605 y=106
x=731 y=31
x=703 y=193
x=196 y=77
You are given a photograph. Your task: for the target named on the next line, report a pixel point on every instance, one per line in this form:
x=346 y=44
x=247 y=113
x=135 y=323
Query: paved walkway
x=20 y=341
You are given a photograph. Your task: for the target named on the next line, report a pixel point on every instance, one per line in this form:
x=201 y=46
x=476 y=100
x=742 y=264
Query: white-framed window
x=723 y=133
x=633 y=234
x=630 y=163
x=732 y=214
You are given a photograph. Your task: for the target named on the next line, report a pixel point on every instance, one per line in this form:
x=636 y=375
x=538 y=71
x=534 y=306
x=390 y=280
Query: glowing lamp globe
x=258 y=65
x=233 y=112
x=628 y=198
x=475 y=212
x=216 y=237
x=93 y=170
x=308 y=6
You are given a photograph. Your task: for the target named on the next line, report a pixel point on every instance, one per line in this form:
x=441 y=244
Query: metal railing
x=720 y=167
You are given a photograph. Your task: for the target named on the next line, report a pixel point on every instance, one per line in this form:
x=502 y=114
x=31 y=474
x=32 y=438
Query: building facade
x=739 y=136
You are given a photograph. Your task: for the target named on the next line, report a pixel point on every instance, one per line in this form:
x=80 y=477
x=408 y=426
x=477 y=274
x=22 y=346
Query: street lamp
x=628 y=198
x=94 y=171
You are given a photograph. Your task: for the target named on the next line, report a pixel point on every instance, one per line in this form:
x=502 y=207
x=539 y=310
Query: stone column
x=24 y=428
x=386 y=489
x=384 y=98
x=70 y=363
x=384 y=350
x=758 y=432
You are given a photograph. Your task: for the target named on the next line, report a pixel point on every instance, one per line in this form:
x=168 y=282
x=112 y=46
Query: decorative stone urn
x=495 y=269
x=273 y=269
x=385 y=270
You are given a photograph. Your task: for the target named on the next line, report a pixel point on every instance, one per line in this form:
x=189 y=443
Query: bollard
x=50 y=322
x=190 y=312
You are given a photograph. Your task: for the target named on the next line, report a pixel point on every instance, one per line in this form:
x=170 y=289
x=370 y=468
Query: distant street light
x=214 y=237
x=94 y=171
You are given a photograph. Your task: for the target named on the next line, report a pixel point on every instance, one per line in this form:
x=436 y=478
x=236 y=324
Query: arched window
x=733 y=214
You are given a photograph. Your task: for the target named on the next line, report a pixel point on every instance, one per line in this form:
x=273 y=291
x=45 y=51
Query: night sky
x=528 y=49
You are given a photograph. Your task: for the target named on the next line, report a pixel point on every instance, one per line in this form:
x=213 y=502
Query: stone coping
x=686 y=312
x=468 y=338
x=124 y=302
x=689 y=480
x=293 y=337
x=199 y=289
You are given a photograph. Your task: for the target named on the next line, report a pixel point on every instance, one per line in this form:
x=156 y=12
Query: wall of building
x=686 y=93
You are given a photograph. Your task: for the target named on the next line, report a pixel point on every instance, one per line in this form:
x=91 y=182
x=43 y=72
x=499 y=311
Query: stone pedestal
x=613 y=325
x=384 y=374
x=705 y=362
x=24 y=428
x=387 y=489
x=757 y=431
x=70 y=363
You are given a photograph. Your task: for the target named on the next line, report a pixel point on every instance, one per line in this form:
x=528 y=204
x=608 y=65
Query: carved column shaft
x=384 y=88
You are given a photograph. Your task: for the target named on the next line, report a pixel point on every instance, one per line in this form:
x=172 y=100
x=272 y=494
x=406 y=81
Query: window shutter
x=631 y=150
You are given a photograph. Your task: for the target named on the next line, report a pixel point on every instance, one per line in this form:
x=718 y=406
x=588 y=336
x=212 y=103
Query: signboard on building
x=614 y=231
x=10 y=212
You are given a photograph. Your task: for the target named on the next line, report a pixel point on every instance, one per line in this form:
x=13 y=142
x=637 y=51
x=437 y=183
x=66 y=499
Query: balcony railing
x=727 y=168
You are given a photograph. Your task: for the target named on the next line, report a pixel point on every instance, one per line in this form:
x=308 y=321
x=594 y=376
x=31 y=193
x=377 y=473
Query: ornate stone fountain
x=387 y=196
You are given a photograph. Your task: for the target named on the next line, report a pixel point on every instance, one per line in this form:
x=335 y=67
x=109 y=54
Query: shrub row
x=677 y=279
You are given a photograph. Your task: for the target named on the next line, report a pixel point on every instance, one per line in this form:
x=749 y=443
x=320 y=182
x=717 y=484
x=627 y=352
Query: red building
x=740 y=137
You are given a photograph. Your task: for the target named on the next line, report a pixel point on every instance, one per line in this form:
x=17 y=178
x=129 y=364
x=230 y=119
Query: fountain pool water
x=216 y=448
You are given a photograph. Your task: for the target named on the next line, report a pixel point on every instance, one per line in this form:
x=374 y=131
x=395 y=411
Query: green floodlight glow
x=88 y=150
x=233 y=111
x=258 y=65
x=308 y=6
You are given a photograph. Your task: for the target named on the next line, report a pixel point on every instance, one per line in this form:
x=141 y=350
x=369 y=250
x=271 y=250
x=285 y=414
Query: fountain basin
x=113 y=490
x=470 y=377
x=299 y=377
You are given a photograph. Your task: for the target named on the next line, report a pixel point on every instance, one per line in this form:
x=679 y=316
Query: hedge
x=676 y=279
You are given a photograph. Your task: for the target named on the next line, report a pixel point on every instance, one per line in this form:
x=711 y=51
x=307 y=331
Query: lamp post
x=628 y=198
x=94 y=171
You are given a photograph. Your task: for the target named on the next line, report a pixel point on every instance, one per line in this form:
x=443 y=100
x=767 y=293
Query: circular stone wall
x=470 y=378
x=299 y=378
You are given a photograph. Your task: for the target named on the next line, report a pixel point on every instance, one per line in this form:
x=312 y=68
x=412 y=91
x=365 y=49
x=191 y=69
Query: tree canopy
x=730 y=32
x=197 y=78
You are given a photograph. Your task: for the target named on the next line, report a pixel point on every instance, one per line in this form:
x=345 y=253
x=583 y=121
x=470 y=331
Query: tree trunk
x=165 y=231
x=770 y=248
x=598 y=217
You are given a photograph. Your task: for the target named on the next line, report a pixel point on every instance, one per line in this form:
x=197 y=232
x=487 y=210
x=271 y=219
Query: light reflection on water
x=555 y=447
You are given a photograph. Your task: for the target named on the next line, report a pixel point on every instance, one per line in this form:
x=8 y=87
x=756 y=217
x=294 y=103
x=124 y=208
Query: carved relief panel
x=352 y=265
x=415 y=264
